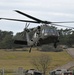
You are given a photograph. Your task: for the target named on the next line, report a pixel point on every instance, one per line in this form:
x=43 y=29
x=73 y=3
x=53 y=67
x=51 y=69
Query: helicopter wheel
x=30 y=49
x=55 y=45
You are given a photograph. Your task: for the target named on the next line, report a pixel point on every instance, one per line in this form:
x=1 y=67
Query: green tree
x=6 y=39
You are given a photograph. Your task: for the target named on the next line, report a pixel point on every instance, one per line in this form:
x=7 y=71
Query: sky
x=50 y=10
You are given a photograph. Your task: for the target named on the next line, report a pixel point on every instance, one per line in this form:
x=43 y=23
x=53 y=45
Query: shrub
x=49 y=48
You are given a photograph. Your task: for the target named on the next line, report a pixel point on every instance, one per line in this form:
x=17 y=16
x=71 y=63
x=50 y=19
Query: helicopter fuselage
x=45 y=35
x=48 y=40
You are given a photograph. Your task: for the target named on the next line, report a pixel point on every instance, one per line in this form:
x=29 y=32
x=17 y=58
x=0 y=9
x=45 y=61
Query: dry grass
x=15 y=59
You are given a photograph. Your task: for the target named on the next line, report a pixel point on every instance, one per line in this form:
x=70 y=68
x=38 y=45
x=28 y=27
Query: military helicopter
x=44 y=34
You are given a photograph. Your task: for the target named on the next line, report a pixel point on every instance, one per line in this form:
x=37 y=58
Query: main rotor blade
x=63 y=26
x=41 y=21
x=64 y=22
x=19 y=20
x=49 y=22
x=29 y=16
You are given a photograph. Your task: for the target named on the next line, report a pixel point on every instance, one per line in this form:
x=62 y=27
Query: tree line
x=66 y=37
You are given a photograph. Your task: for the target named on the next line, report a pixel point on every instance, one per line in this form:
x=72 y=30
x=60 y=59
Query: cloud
x=52 y=10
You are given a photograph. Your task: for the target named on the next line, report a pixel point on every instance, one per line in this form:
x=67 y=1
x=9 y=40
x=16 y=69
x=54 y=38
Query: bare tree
x=41 y=62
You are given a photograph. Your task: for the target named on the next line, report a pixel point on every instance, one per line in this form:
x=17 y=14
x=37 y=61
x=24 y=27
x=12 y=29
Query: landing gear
x=30 y=49
x=55 y=45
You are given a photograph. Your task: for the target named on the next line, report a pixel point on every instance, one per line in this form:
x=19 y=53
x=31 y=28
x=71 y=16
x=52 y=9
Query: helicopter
x=42 y=35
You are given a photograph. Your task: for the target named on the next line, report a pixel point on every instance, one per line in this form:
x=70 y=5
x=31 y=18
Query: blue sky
x=51 y=10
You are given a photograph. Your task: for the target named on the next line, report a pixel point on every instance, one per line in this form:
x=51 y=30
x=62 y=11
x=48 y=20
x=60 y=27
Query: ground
x=15 y=59
x=69 y=65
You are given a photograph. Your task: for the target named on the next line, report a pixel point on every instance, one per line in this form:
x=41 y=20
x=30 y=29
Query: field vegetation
x=13 y=59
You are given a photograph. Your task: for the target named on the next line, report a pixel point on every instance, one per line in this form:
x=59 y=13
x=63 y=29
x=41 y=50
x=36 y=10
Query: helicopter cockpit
x=45 y=31
x=49 y=31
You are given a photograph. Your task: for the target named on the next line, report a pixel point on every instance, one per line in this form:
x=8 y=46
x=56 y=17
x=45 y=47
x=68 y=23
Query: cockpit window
x=49 y=31
x=43 y=31
x=46 y=30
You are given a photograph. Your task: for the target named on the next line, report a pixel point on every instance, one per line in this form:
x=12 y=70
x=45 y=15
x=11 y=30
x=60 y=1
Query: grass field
x=15 y=59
